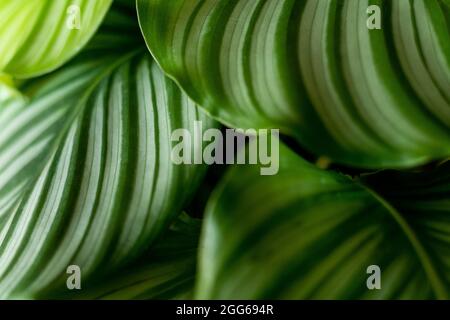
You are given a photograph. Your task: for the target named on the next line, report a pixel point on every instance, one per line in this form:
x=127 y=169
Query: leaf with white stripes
x=86 y=176
x=311 y=234
x=167 y=271
x=368 y=98
x=38 y=36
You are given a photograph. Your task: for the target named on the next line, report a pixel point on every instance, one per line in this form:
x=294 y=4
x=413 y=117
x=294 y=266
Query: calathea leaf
x=86 y=177
x=308 y=233
x=167 y=271
x=421 y=37
x=40 y=35
x=313 y=68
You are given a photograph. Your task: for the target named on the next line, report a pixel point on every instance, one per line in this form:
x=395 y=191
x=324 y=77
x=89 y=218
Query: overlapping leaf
x=86 y=177
x=308 y=233
x=85 y=172
x=40 y=35
x=166 y=272
x=370 y=98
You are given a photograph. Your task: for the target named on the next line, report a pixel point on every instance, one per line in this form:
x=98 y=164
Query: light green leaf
x=368 y=98
x=86 y=176
x=311 y=234
x=38 y=36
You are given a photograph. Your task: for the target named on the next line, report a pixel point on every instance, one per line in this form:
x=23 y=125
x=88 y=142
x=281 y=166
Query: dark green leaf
x=311 y=234
x=368 y=98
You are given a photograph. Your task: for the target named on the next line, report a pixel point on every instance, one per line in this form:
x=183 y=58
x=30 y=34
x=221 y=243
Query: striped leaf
x=307 y=233
x=85 y=171
x=38 y=36
x=368 y=98
x=167 y=271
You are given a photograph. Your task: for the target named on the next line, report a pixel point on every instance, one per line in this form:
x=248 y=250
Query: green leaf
x=423 y=44
x=8 y=93
x=368 y=98
x=39 y=35
x=311 y=234
x=167 y=271
x=86 y=176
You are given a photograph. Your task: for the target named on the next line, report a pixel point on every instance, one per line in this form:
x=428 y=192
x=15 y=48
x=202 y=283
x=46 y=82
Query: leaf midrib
x=427 y=264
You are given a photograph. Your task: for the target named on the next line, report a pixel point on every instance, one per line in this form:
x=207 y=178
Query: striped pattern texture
x=166 y=271
x=37 y=35
x=311 y=234
x=85 y=171
x=368 y=98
